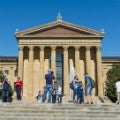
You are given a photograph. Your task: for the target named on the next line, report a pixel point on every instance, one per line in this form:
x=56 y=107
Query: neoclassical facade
x=65 y=48
x=60 y=46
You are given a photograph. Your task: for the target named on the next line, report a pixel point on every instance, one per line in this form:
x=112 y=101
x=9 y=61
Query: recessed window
x=15 y=73
x=6 y=72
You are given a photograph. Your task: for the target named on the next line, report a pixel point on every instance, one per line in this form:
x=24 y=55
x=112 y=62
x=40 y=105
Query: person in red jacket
x=18 y=87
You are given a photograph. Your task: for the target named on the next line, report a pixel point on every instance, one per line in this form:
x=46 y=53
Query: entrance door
x=59 y=69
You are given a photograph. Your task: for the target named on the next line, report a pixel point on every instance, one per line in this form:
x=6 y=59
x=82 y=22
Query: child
x=43 y=94
x=38 y=96
x=54 y=92
x=59 y=94
x=80 y=97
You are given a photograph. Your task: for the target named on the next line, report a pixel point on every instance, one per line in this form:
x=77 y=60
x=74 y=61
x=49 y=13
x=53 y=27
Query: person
x=49 y=82
x=38 y=95
x=80 y=95
x=75 y=83
x=59 y=94
x=5 y=91
x=18 y=87
x=88 y=89
x=117 y=86
x=54 y=92
x=43 y=94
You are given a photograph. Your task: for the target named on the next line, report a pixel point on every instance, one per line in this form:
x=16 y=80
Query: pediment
x=59 y=29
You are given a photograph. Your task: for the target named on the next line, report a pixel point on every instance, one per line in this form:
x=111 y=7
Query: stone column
x=20 y=62
x=42 y=79
x=53 y=59
x=87 y=60
x=31 y=55
x=77 y=63
x=66 y=78
x=99 y=71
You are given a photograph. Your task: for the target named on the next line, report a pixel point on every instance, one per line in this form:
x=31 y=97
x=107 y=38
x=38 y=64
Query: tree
x=112 y=77
x=2 y=77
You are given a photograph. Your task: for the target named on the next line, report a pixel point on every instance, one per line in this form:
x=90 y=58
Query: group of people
x=5 y=88
x=79 y=90
x=52 y=92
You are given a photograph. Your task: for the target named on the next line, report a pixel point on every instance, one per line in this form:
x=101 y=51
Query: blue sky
x=94 y=14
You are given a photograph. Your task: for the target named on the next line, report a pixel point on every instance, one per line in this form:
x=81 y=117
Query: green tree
x=2 y=76
x=112 y=77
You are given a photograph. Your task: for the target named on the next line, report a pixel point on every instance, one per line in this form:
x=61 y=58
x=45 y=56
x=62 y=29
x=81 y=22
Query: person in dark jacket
x=49 y=82
x=80 y=96
x=5 y=91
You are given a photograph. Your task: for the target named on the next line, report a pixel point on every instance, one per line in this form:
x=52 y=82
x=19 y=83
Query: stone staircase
x=68 y=111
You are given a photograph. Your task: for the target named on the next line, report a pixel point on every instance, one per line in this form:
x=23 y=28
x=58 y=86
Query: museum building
x=65 y=48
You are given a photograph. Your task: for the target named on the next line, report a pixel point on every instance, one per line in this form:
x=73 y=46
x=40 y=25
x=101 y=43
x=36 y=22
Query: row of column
x=53 y=65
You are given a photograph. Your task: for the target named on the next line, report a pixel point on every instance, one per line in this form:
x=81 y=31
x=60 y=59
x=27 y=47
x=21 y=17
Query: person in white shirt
x=59 y=94
x=117 y=86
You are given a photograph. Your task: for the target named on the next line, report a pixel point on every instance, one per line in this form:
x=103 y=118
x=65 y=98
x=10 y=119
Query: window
x=6 y=72
x=15 y=73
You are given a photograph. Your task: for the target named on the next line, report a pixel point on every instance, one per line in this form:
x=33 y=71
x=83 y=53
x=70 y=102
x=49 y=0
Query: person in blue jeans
x=80 y=96
x=5 y=91
x=48 y=88
x=75 y=83
x=88 y=89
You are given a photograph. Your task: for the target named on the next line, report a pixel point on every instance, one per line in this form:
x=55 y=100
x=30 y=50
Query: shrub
x=112 y=77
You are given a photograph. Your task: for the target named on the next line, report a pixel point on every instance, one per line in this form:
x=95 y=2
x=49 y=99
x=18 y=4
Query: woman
x=18 y=85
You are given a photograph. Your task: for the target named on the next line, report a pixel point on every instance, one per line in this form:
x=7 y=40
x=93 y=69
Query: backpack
x=71 y=85
x=92 y=83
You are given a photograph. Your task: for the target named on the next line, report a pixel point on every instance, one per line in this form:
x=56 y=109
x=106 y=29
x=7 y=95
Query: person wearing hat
x=50 y=78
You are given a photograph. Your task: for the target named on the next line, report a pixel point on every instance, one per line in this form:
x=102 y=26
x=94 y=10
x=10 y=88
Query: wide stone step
x=60 y=118
x=57 y=119
x=60 y=112
x=59 y=115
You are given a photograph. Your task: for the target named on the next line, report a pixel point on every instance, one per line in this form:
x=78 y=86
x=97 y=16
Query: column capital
x=31 y=47
x=98 y=48
x=77 y=47
x=20 y=48
x=42 y=47
x=87 y=47
x=65 y=47
x=53 y=47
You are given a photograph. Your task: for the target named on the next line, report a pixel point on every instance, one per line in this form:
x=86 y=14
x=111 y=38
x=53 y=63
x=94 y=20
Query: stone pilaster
x=66 y=78
x=77 y=63
x=31 y=55
x=53 y=59
x=20 y=62
x=99 y=71
x=11 y=76
x=42 y=79
x=87 y=59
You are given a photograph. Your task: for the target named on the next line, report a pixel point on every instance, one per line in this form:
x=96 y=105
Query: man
x=49 y=81
x=88 y=89
x=5 y=91
x=117 y=86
